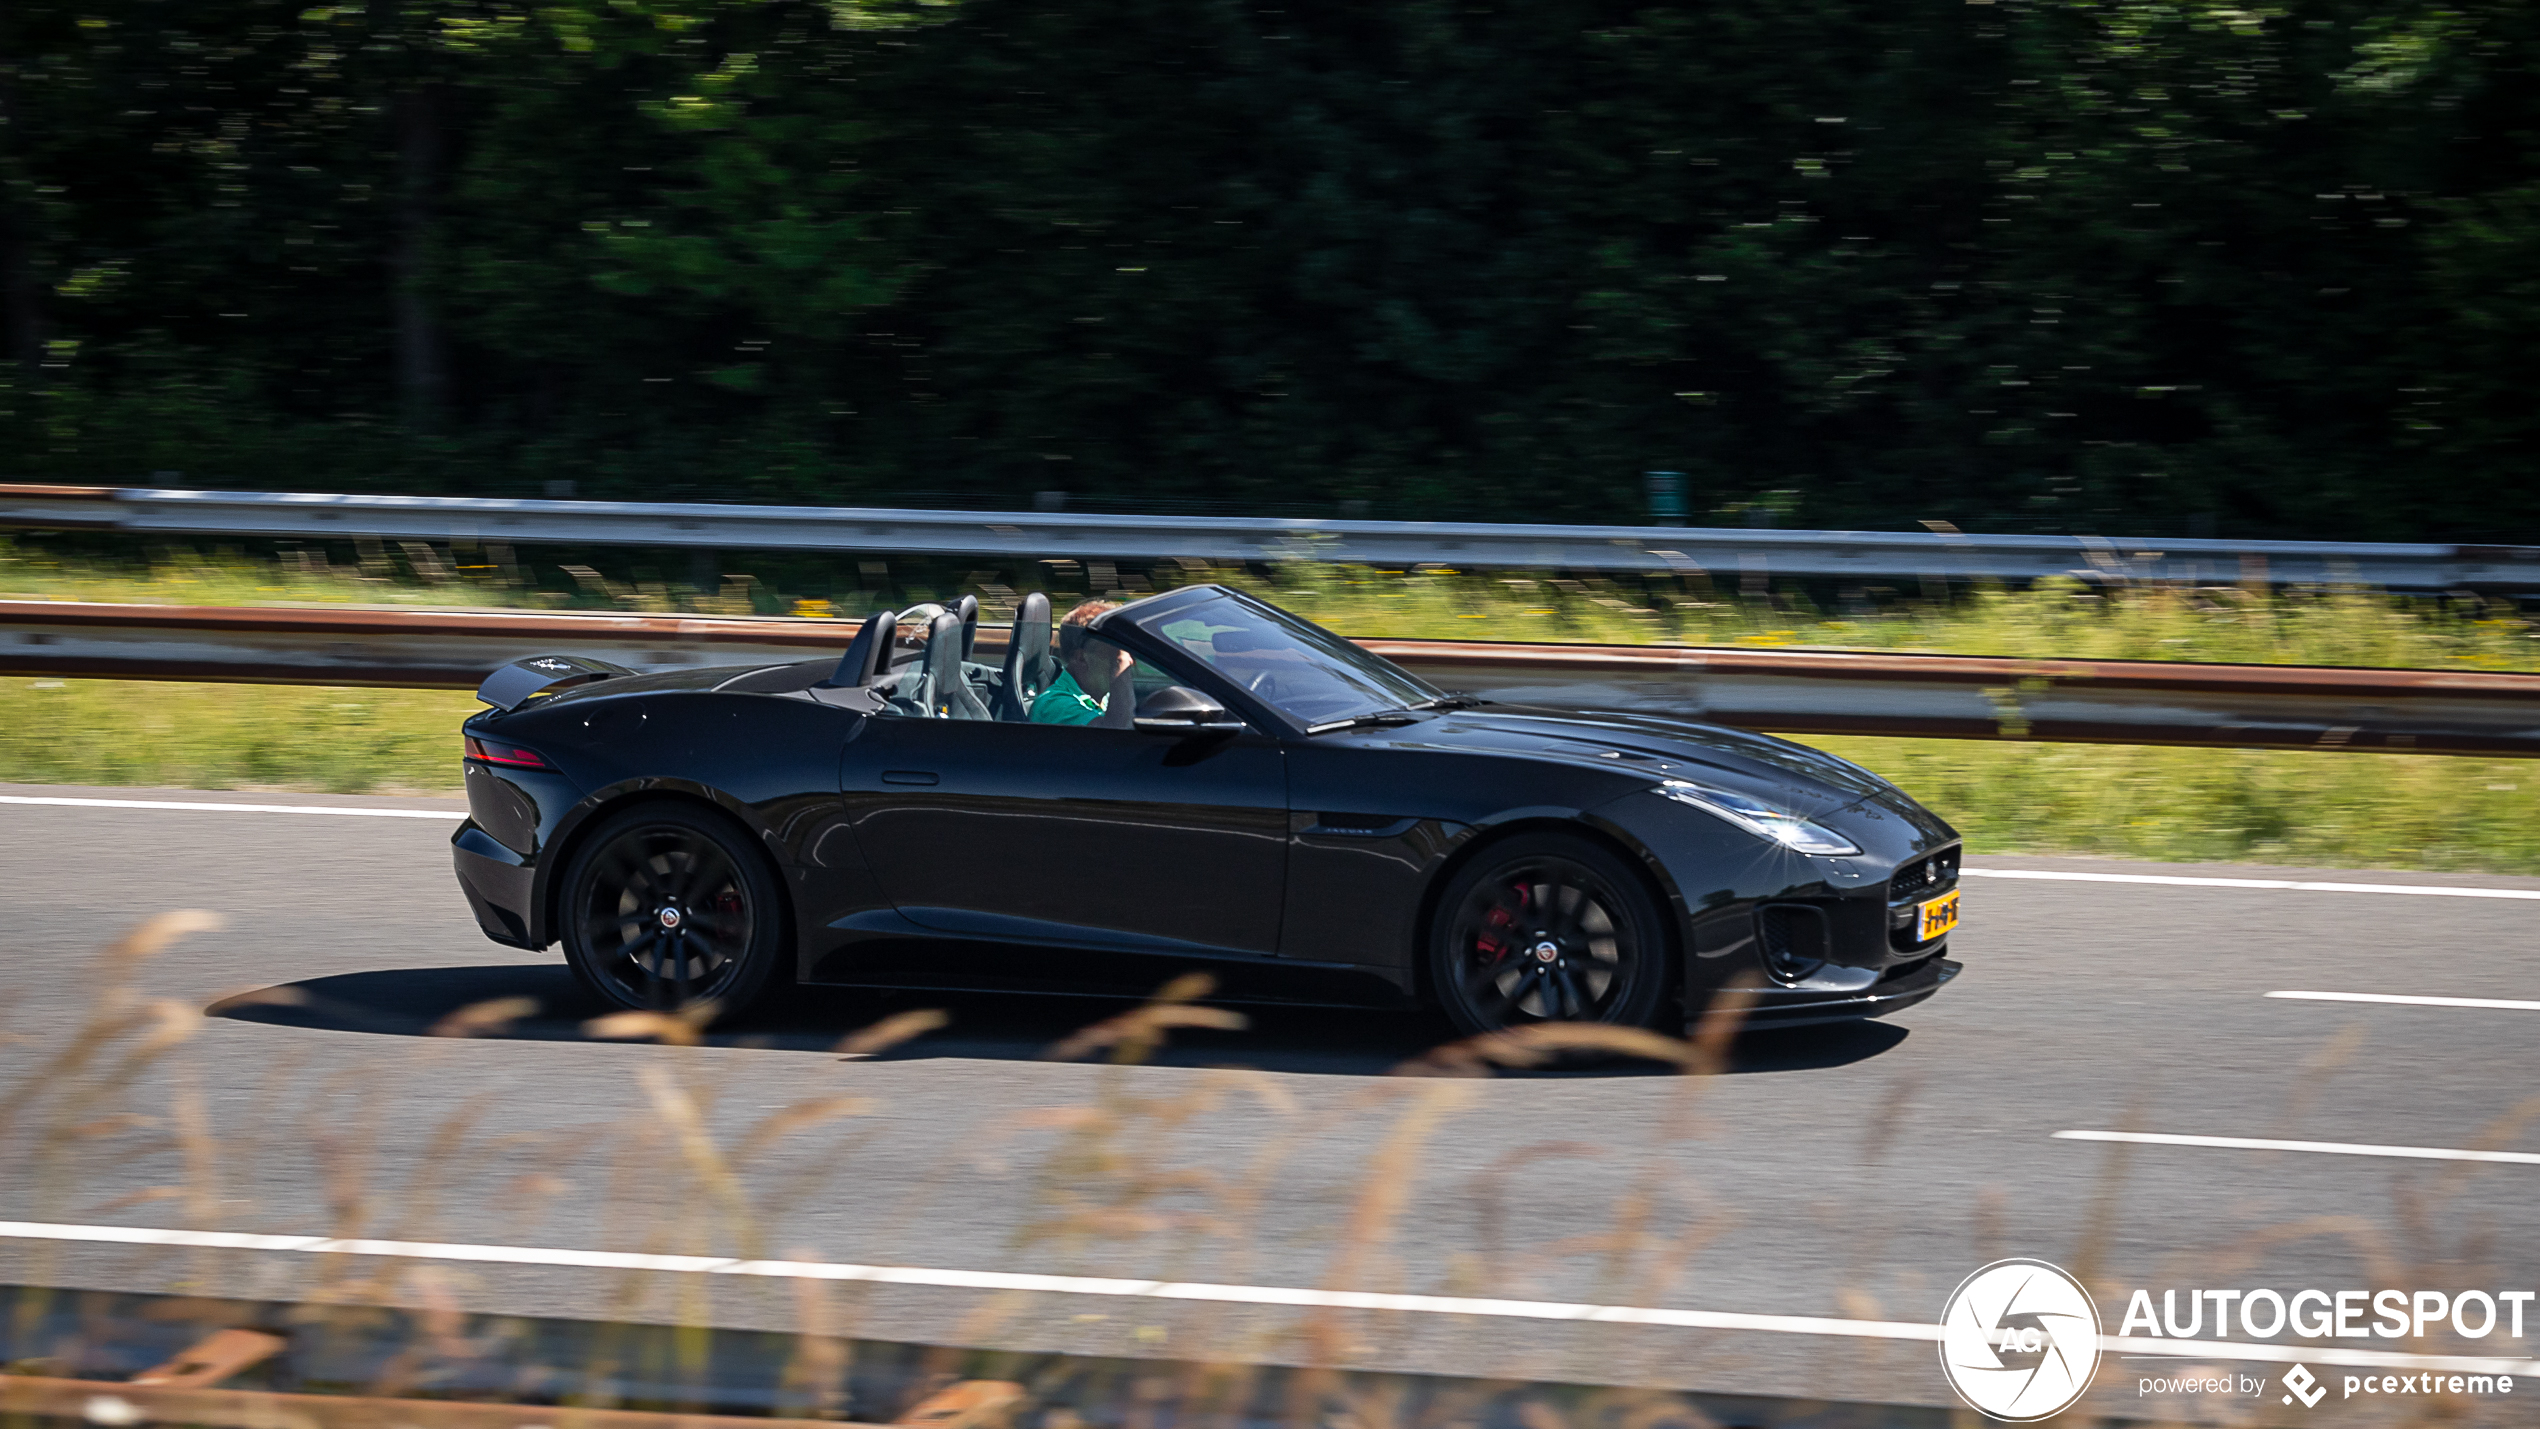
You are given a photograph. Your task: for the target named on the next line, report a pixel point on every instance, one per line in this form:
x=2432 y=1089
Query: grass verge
x=2222 y=805
x=304 y=737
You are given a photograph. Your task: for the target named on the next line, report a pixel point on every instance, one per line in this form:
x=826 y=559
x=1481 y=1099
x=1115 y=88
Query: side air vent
x=1796 y=940
x=1364 y=826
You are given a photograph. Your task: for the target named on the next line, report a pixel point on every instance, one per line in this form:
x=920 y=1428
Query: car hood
x=1791 y=776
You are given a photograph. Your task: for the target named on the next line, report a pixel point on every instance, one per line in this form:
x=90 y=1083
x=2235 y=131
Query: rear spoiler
x=521 y=681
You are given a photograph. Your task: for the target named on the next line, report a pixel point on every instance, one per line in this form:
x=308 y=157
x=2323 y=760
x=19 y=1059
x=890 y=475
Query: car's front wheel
x=1547 y=928
x=665 y=906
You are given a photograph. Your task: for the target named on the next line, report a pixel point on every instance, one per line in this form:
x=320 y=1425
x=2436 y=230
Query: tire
x=665 y=906
x=1489 y=967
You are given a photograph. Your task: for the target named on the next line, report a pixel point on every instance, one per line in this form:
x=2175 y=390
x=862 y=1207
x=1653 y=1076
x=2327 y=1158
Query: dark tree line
x=2033 y=264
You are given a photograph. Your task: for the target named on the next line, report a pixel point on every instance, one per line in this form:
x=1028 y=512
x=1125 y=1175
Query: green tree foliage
x=2034 y=264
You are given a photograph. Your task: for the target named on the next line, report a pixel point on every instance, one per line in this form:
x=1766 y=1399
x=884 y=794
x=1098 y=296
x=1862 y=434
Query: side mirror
x=1179 y=710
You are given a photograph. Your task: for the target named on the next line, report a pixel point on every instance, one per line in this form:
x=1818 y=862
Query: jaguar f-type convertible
x=1194 y=780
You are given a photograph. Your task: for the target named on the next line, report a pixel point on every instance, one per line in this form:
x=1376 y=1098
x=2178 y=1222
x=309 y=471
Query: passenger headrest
x=968 y=609
x=943 y=649
x=1027 y=650
x=866 y=653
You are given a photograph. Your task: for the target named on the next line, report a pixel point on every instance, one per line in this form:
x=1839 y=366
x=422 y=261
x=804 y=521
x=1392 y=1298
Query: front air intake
x=1797 y=940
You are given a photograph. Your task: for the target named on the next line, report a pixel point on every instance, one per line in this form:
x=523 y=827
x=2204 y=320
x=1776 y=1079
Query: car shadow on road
x=419 y=1002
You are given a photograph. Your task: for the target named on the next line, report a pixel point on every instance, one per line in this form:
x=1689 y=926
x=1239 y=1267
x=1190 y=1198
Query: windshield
x=1295 y=666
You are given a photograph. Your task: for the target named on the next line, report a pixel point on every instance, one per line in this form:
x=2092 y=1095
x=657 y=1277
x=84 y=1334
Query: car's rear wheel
x=1547 y=928
x=666 y=906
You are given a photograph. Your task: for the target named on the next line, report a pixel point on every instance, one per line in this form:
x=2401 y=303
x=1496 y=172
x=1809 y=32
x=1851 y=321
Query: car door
x=1077 y=835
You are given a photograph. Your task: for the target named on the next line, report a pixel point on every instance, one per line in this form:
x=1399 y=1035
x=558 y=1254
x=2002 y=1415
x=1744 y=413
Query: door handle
x=908 y=776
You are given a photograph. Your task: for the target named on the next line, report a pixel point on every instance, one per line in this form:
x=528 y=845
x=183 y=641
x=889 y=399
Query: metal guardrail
x=1786 y=691
x=1868 y=556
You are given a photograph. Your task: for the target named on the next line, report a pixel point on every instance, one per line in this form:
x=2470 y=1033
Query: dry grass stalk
x=1391 y=1175
x=684 y=1028
x=1118 y=1177
x=485 y=1019
x=686 y=1123
x=891 y=1031
x=816 y=1375
x=1133 y=1036
x=1542 y=1044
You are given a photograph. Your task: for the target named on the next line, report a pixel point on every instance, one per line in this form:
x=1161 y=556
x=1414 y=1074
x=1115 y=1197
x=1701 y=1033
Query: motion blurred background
x=2042 y=265
x=2090 y=268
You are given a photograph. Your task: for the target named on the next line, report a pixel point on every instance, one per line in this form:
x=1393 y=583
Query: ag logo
x=2019 y=1340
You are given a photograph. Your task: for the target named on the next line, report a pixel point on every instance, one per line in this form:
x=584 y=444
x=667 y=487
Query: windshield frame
x=1141 y=617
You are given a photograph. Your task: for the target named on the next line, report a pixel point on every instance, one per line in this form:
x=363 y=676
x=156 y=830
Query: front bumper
x=1870 y=993
x=1827 y=951
x=499 y=885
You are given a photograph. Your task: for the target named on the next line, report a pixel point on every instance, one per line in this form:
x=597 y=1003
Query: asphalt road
x=1854 y=1172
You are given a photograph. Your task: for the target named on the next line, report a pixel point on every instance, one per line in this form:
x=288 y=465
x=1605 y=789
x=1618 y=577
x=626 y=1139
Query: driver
x=1095 y=671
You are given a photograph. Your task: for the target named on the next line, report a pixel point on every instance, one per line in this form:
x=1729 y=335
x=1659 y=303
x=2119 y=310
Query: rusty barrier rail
x=112 y=1404
x=1721 y=553
x=1786 y=691
x=116 y=1404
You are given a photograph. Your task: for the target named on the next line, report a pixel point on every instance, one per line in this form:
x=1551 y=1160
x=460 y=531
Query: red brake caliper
x=1489 y=944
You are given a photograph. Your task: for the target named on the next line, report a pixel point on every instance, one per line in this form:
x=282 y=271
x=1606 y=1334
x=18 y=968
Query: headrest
x=968 y=609
x=943 y=647
x=866 y=653
x=1028 y=648
x=1035 y=610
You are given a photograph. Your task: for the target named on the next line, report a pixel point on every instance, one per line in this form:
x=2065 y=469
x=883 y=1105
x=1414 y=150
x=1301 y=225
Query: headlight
x=1759 y=818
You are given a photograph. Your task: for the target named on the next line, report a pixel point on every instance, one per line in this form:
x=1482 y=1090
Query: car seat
x=968 y=609
x=948 y=693
x=1029 y=667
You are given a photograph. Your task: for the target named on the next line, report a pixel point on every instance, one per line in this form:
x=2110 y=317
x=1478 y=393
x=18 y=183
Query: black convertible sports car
x=1193 y=779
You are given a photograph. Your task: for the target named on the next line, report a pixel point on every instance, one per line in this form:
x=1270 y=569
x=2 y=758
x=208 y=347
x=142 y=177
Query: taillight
x=512 y=755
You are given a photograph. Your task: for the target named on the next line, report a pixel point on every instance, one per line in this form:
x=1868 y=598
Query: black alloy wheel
x=666 y=906
x=1547 y=928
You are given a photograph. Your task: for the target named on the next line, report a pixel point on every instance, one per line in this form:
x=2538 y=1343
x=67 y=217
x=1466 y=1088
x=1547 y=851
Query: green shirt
x=1066 y=703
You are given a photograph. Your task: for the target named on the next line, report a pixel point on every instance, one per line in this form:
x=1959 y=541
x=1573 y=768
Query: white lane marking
x=234 y=808
x=2295 y=885
x=1196 y=1290
x=2331 y=1148
x=973 y=1280
x=2407 y=1000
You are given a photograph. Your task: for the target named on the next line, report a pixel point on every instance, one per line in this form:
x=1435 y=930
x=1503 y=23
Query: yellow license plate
x=1939 y=916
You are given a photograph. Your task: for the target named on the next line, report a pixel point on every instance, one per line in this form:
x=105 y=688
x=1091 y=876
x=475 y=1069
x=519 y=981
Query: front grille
x=1924 y=877
x=1915 y=884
